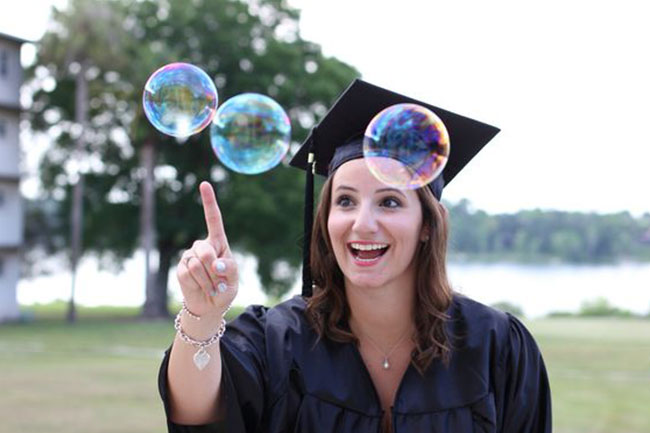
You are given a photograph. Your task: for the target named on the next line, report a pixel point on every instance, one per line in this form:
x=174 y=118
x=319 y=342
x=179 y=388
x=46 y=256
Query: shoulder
x=474 y=324
x=275 y=325
x=271 y=331
x=283 y=314
x=477 y=315
x=288 y=313
x=284 y=336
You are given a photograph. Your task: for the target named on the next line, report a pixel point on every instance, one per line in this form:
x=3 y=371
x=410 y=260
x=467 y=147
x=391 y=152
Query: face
x=374 y=229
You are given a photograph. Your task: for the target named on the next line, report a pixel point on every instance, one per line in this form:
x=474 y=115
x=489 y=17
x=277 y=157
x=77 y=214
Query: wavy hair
x=328 y=310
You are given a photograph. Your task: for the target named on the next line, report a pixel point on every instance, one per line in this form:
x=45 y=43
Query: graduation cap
x=337 y=139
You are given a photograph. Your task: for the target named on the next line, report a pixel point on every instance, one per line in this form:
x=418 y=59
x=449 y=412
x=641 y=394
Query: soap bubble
x=180 y=99
x=412 y=135
x=250 y=133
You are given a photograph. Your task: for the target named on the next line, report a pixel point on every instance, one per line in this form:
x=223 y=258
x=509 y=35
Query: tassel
x=308 y=220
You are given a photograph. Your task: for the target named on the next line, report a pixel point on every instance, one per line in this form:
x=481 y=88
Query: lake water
x=538 y=289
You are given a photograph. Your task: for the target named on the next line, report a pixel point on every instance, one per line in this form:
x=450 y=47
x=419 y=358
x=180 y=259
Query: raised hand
x=207 y=272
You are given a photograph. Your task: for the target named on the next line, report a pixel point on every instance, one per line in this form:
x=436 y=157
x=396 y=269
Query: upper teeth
x=368 y=247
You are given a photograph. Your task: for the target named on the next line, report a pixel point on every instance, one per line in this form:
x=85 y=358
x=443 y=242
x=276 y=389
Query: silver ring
x=186 y=262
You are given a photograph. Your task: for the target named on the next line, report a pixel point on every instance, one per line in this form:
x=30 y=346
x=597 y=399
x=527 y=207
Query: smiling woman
x=373 y=230
x=381 y=342
x=405 y=230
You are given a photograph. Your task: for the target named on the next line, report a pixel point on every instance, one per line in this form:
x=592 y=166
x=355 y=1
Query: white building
x=11 y=208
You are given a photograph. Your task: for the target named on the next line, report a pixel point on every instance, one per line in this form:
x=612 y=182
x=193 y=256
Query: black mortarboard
x=337 y=137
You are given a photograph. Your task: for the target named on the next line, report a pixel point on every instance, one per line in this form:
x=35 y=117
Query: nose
x=365 y=220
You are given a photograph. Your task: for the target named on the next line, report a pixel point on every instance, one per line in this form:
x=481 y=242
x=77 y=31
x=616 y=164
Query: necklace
x=386 y=364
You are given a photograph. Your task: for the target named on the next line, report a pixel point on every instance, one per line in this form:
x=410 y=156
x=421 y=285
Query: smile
x=367 y=253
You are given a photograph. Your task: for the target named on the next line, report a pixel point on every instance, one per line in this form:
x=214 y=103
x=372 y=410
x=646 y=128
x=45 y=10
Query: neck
x=384 y=314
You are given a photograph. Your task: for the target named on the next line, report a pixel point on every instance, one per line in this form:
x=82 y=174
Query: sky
x=566 y=81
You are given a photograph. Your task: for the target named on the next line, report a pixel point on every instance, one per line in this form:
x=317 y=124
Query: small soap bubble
x=406 y=146
x=180 y=99
x=250 y=133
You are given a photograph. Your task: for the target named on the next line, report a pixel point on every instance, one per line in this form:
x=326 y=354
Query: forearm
x=194 y=394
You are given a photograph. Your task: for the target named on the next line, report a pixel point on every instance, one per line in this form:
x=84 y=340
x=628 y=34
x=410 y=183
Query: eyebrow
x=349 y=188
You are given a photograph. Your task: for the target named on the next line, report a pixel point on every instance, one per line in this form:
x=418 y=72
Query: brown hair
x=329 y=312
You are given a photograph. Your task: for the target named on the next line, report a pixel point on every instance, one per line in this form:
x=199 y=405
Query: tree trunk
x=166 y=255
x=75 y=241
x=151 y=307
x=156 y=303
x=76 y=223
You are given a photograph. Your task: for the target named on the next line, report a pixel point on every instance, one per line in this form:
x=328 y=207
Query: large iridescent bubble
x=180 y=99
x=406 y=146
x=250 y=133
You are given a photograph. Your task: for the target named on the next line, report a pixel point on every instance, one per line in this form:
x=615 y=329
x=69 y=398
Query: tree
x=245 y=47
x=86 y=39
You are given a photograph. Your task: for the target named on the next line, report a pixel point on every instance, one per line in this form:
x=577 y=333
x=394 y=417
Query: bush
x=600 y=307
x=560 y=314
x=508 y=307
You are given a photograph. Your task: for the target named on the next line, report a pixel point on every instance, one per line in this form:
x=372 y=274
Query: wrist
x=210 y=315
x=202 y=330
x=200 y=327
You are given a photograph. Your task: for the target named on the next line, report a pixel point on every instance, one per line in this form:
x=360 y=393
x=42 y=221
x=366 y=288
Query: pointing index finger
x=212 y=214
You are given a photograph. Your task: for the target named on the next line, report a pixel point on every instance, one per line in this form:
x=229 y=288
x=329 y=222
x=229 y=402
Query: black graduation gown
x=276 y=381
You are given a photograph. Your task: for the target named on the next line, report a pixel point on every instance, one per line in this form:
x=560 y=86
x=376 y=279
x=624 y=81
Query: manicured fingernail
x=221 y=266
x=222 y=287
x=213 y=293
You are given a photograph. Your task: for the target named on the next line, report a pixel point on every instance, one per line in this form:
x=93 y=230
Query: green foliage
x=600 y=307
x=509 y=307
x=548 y=236
x=560 y=314
x=246 y=47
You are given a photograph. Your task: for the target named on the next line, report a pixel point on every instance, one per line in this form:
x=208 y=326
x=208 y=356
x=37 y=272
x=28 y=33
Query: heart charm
x=201 y=358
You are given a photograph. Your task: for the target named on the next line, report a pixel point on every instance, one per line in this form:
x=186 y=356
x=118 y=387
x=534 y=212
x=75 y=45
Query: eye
x=391 y=202
x=343 y=201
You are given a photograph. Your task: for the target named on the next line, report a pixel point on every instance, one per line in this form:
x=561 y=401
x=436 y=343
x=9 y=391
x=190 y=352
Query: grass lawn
x=599 y=371
x=100 y=375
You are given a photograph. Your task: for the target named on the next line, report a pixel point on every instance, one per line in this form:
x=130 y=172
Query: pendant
x=386 y=365
x=201 y=358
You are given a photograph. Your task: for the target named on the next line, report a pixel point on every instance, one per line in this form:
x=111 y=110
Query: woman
x=383 y=345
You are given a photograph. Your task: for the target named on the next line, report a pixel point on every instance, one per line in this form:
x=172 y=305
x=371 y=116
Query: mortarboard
x=337 y=139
